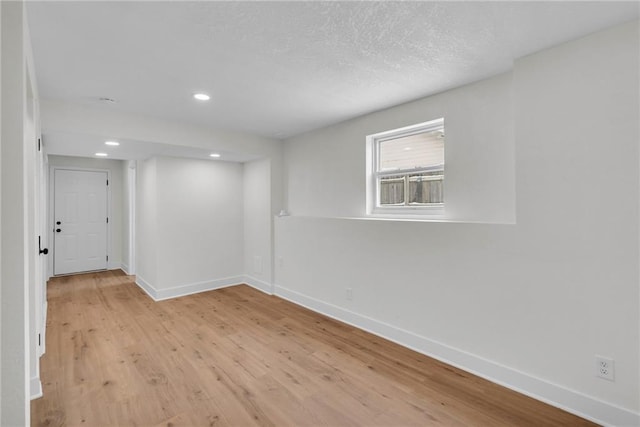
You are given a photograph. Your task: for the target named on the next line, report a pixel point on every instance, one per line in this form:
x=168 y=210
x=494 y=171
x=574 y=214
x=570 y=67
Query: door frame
x=52 y=207
x=131 y=182
x=43 y=165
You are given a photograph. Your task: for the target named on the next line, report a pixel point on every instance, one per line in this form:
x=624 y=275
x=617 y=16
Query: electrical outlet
x=349 y=294
x=605 y=368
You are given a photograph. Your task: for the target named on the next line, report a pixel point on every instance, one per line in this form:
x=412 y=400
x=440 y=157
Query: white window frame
x=373 y=208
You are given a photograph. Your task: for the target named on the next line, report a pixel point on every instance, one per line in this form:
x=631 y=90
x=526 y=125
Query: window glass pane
x=426 y=188
x=423 y=150
x=392 y=190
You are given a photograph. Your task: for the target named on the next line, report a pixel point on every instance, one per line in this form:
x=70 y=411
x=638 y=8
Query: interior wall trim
x=125 y=268
x=35 y=388
x=194 y=288
x=187 y=289
x=260 y=285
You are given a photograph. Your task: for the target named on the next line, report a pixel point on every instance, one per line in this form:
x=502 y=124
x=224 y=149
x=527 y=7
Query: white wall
x=204 y=224
x=115 y=167
x=329 y=164
x=528 y=304
x=128 y=215
x=577 y=118
x=33 y=211
x=147 y=232
x=14 y=267
x=1 y=224
x=200 y=220
x=198 y=230
x=126 y=226
x=257 y=223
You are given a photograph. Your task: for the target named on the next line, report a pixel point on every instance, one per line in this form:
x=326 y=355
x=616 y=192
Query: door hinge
x=39 y=144
x=39 y=340
x=107 y=220
x=107 y=182
x=107 y=257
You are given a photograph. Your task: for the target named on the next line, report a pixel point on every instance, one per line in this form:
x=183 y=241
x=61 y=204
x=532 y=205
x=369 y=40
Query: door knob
x=58 y=230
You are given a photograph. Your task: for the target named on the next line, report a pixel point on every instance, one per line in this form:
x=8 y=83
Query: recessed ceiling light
x=101 y=154
x=112 y=143
x=201 y=96
x=216 y=155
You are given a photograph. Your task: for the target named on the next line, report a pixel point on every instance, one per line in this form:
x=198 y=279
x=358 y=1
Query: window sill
x=420 y=213
x=428 y=218
x=396 y=218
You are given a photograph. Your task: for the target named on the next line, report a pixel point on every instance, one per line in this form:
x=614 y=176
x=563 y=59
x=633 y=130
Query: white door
x=80 y=221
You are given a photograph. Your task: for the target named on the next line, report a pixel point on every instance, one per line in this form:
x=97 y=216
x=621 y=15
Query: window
x=406 y=169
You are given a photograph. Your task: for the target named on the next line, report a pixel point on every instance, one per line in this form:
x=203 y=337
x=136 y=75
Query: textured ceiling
x=281 y=68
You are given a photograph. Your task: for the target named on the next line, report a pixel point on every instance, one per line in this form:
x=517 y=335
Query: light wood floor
x=239 y=357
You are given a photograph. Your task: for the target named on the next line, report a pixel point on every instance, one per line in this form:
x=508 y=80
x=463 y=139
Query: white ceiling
x=277 y=69
x=86 y=145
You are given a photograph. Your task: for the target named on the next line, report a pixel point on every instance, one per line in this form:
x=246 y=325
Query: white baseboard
x=124 y=267
x=145 y=286
x=43 y=328
x=258 y=284
x=187 y=289
x=35 y=387
x=553 y=394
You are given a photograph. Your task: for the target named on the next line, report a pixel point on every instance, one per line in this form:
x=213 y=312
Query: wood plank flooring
x=238 y=357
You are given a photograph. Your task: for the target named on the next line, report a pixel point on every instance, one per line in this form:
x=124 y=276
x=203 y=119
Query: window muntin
x=408 y=167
